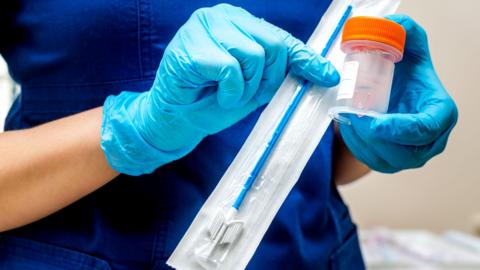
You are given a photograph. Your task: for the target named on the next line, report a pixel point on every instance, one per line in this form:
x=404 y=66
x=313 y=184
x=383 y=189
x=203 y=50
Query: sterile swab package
x=230 y=225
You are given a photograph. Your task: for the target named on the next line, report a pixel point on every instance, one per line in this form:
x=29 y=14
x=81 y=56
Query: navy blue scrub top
x=68 y=56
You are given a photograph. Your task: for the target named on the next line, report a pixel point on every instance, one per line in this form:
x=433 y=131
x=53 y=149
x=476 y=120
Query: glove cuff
x=125 y=149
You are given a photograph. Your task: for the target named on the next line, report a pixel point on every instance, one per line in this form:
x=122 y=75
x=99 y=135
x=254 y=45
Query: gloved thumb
x=305 y=62
x=424 y=127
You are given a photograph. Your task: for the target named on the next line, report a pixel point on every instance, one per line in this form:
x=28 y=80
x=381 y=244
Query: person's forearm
x=46 y=168
x=346 y=168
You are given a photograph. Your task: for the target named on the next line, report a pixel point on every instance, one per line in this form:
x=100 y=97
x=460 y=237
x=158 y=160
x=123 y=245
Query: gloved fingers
x=249 y=53
x=275 y=55
x=274 y=48
x=175 y=81
x=439 y=145
x=305 y=62
x=417 y=42
x=282 y=50
x=397 y=156
x=417 y=129
x=275 y=65
x=212 y=61
x=230 y=83
x=360 y=149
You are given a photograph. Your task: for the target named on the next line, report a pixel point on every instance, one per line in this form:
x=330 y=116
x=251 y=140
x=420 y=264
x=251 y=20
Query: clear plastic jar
x=372 y=46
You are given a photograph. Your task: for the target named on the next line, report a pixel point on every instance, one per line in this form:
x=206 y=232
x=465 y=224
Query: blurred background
x=418 y=209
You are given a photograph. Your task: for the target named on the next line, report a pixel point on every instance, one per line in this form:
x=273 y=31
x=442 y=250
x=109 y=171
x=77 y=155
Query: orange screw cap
x=375 y=29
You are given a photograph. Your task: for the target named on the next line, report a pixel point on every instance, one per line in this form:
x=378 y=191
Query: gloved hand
x=420 y=118
x=220 y=66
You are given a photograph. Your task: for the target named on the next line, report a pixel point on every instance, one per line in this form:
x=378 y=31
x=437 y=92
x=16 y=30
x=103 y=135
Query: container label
x=349 y=79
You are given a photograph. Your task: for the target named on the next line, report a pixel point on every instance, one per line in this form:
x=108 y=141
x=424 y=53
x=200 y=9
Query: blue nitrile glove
x=420 y=118
x=221 y=65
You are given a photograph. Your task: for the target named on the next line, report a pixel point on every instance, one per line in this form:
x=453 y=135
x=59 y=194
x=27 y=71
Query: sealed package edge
x=230 y=225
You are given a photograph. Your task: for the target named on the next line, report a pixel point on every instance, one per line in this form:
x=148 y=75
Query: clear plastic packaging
x=369 y=65
x=230 y=225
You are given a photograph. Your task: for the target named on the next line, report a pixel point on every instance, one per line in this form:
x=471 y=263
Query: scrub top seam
x=160 y=242
x=139 y=40
x=150 y=43
x=145 y=31
x=154 y=248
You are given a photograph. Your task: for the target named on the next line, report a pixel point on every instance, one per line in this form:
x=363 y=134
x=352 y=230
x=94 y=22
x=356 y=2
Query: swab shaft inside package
x=232 y=222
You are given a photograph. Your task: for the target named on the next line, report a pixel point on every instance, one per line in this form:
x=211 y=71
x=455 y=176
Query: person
x=117 y=138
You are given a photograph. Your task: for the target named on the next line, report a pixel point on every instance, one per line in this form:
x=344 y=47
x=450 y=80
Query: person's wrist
x=125 y=147
x=164 y=126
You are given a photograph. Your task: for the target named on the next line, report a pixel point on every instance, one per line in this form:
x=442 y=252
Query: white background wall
x=446 y=192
